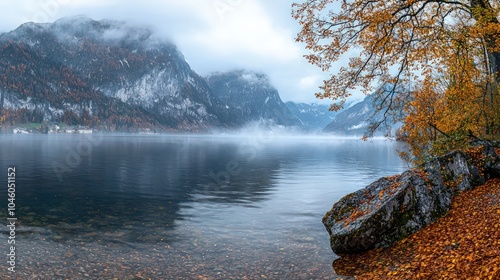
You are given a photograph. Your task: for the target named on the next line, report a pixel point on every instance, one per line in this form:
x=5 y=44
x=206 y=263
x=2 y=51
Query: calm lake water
x=181 y=207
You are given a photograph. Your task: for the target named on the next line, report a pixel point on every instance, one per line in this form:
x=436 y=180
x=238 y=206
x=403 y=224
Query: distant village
x=60 y=128
x=47 y=129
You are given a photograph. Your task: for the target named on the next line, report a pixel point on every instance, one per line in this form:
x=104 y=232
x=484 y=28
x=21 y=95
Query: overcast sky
x=213 y=35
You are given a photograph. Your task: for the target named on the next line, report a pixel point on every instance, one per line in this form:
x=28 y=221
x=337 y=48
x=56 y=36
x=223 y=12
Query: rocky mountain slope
x=112 y=76
x=314 y=117
x=251 y=96
x=354 y=120
x=115 y=77
x=100 y=73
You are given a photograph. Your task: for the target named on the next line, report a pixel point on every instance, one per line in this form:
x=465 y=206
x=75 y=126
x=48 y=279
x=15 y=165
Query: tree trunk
x=2 y=98
x=483 y=13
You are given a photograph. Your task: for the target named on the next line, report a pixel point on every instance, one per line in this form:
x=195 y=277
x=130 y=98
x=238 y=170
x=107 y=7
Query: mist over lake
x=184 y=205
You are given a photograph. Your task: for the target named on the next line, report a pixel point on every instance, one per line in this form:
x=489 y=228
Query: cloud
x=213 y=35
x=254 y=35
x=247 y=29
x=309 y=81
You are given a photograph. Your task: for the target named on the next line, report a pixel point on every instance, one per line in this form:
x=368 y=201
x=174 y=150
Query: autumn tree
x=462 y=106
x=400 y=50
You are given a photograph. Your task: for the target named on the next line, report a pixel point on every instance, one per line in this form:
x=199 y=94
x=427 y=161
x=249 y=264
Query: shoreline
x=462 y=244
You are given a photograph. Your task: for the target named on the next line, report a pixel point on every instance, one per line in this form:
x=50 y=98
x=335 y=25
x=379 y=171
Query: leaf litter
x=464 y=244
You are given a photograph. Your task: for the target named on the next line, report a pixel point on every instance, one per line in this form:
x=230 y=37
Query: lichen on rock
x=392 y=208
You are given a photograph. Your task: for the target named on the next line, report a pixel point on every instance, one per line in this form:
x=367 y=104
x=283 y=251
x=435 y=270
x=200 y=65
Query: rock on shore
x=394 y=207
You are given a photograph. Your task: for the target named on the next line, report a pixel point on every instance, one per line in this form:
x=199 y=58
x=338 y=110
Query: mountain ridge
x=355 y=120
x=114 y=77
x=251 y=95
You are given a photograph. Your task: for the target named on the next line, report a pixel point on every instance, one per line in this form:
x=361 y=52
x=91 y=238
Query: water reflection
x=255 y=198
x=127 y=182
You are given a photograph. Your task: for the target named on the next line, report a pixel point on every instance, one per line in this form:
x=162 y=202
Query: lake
x=181 y=206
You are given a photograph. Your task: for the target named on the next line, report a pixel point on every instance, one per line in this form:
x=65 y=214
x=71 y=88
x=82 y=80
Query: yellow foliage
x=441 y=60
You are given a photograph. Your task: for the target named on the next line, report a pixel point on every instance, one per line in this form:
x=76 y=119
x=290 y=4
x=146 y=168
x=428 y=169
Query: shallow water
x=181 y=207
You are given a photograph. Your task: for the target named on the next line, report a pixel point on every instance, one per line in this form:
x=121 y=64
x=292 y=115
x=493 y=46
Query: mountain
x=107 y=75
x=314 y=117
x=355 y=120
x=251 y=96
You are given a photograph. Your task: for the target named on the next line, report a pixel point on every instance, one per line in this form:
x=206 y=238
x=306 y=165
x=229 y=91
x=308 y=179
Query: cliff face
x=115 y=77
x=251 y=96
x=102 y=73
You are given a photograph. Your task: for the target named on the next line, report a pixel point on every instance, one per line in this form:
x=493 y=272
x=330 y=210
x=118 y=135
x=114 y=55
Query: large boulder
x=384 y=212
x=458 y=171
x=394 y=207
x=491 y=160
